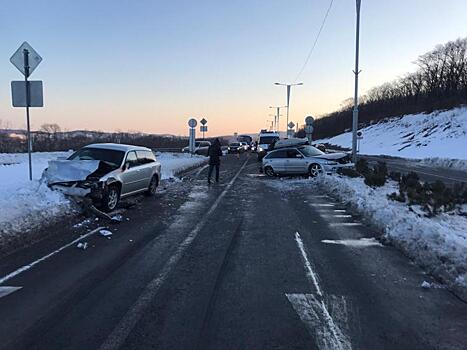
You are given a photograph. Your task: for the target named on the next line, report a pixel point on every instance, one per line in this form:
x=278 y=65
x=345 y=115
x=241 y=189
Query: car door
x=130 y=176
x=277 y=160
x=145 y=168
x=295 y=162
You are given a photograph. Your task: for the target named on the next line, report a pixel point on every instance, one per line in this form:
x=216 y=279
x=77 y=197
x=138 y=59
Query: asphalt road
x=237 y=265
x=425 y=172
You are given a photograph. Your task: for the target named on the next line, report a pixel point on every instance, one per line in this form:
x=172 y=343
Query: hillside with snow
x=441 y=134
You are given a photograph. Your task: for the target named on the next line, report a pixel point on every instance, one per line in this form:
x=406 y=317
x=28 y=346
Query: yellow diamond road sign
x=18 y=58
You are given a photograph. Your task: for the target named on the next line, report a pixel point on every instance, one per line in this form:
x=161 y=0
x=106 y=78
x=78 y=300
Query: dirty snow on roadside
x=438 y=244
x=26 y=204
x=173 y=163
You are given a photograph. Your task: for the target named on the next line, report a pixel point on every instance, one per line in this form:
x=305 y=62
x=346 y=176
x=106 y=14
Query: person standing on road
x=214 y=154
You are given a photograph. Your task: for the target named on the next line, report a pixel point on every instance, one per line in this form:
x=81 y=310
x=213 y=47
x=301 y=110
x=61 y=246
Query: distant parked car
x=245 y=146
x=106 y=173
x=225 y=150
x=235 y=147
x=303 y=160
x=201 y=147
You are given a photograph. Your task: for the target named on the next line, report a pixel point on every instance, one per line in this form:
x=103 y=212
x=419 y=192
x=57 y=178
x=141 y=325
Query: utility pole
x=356 y=72
x=276 y=119
x=288 y=86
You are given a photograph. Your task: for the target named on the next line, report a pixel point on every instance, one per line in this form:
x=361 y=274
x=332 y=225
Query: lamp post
x=356 y=72
x=288 y=86
x=278 y=108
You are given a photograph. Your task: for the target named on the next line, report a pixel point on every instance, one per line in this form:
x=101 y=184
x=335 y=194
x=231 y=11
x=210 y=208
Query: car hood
x=332 y=156
x=69 y=170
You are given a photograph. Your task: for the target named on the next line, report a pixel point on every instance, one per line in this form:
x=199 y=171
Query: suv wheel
x=111 y=198
x=153 y=186
x=315 y=170
x=269 y=171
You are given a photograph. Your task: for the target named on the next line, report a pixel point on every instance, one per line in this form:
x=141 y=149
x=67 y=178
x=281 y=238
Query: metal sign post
x=192 y=124
x=26 y=59
x=291 y=125
x=203 y=128
x=309 y=128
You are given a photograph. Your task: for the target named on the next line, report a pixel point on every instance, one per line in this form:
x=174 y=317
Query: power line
x=315 y=42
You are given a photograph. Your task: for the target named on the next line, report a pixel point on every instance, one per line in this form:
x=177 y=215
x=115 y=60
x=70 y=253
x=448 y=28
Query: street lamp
x=288 y=97
x=277 y=115
x=356 y=72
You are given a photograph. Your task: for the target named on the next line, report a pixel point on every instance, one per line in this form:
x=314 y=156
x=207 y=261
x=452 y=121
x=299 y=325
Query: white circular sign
x=192 y=123
x=309 y=120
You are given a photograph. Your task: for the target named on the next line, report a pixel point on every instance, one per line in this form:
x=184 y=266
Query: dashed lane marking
x=6 y=290
x=345 y=224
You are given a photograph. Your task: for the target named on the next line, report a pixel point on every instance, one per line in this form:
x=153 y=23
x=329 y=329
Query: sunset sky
x=151 y=65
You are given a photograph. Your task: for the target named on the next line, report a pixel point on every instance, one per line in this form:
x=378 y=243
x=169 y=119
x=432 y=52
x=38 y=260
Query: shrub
x=362 y=166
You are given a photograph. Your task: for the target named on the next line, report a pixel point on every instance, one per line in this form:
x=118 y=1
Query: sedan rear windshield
x=310 y=151
x=112 y=157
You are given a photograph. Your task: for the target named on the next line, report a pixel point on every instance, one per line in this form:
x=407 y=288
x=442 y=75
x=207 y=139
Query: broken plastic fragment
x=82 y=245
x=426 y=285
x=105 y=233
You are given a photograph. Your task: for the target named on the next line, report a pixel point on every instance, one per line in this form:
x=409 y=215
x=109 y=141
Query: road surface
x=250 y=263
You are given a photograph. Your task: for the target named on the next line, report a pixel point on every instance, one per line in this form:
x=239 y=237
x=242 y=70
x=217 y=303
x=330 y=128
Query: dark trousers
x=211 y=167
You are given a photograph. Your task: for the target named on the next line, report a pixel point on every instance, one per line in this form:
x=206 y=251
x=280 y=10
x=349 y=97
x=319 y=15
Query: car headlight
x=329 y=162
x=261 y=149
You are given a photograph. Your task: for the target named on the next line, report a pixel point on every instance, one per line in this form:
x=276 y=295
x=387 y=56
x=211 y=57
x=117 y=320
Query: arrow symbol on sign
x=314 y=312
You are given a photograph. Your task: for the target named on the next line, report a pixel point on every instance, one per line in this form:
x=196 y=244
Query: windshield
x=310 y=151
x=112 y=157
x=267 y=140
x=235 y=144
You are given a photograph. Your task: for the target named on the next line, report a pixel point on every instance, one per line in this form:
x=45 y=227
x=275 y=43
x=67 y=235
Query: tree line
x=439 y=82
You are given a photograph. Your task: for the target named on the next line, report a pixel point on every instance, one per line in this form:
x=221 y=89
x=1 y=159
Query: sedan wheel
x=152 y=186
x=315 y=170
x=111 y=198
x=269 y=171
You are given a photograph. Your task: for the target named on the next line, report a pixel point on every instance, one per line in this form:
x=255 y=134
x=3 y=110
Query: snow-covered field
x=439 y=244
x=439 y=137
x=25 y=204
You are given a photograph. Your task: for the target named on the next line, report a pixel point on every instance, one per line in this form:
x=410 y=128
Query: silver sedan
x=302 y=160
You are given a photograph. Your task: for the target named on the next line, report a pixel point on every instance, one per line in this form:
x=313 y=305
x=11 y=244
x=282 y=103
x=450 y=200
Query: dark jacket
x=214 y=153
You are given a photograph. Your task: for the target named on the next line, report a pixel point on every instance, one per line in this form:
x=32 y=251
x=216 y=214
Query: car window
x=310 y=151
x=277 y=154
x=145 y=157
x=131 y=159
x=112 y=157
x=292 y=153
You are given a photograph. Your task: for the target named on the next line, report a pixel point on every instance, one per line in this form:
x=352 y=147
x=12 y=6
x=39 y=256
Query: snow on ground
x=173 y=163
x=27 y=204
x=440 y=136
x=439 y=244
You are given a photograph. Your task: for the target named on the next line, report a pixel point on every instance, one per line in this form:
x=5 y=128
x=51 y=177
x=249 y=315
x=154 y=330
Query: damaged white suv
x=105 y=172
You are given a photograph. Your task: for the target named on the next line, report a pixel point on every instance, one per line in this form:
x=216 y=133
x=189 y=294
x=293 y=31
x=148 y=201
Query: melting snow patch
x=355 y=243
x=105 y=233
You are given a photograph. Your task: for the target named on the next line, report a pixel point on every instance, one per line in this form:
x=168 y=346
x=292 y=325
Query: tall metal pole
x=356 y=72
x=278 y=125
x=288 y=104
x=28 y=102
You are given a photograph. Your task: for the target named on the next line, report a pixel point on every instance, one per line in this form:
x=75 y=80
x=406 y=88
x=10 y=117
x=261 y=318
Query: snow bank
x=174 y=163
x=25 y=205
x=440 y=135
x=439 y=244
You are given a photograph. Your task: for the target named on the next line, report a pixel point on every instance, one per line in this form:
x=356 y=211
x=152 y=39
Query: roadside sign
x=192 y=123
x=18 y=58
x=203 y=128
x=291 y=125
x=309 y=129
x=309 y=120
x=203 y=121
x=18 y=94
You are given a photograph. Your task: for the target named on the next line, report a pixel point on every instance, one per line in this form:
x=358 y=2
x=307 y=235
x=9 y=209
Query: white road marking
x=313 y=311
x=345 y=224
x=339 y=210
x=357 y=243
x=6 y=290
x=322 y=205
x=119 y=334
x=336 y=216
x=34 y=263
